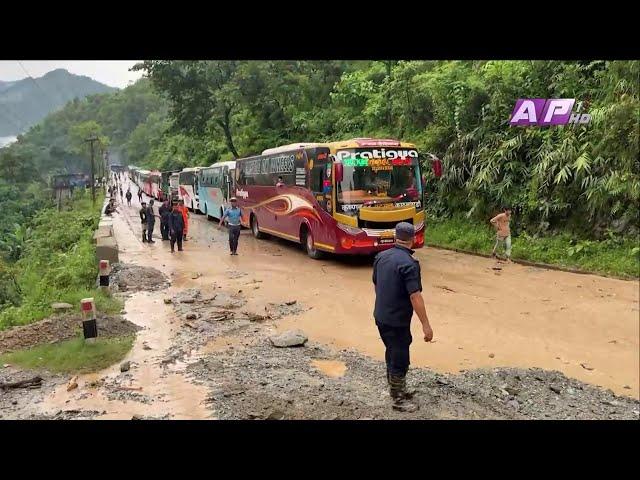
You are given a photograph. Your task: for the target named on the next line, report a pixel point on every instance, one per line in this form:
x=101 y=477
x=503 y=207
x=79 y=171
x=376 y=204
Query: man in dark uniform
x=398 y=285
x=164 y=211
x=176 y=227
x=151 y=222
x=143 y=220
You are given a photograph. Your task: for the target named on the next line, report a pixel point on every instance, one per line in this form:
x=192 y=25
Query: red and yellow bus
x=340 y=197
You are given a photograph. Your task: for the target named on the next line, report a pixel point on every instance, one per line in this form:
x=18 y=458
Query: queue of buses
x=339 y=197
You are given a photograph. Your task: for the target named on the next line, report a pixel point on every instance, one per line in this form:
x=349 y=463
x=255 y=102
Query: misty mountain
x=23 y=103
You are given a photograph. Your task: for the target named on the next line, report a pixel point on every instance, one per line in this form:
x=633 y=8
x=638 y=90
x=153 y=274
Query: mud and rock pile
x=23 y=402
x=57 y=329
x=265 y=382
x=126 y=277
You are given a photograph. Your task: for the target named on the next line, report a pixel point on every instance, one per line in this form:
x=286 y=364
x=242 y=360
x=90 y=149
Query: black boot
x=399 y=394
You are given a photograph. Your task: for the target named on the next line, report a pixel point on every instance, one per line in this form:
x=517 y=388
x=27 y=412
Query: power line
x=37 y=85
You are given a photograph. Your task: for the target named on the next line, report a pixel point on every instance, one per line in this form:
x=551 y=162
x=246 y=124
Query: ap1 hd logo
x=542 y=112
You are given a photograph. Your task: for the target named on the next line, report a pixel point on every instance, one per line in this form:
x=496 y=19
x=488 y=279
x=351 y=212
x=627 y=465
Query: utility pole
x=92 y=139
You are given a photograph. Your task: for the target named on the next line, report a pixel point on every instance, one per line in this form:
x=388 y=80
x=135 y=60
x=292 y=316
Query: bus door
x=225 y=187
x=320 y=178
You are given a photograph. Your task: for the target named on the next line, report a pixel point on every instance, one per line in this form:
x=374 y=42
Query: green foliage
x=582 y=182
x=72 y=356
x=58 y=264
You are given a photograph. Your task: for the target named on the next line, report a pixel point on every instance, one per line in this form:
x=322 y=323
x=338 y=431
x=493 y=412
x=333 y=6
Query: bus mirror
x=226 y=178
x=339 y=172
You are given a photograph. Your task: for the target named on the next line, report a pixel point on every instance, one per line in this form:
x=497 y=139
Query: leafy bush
x=58 y=264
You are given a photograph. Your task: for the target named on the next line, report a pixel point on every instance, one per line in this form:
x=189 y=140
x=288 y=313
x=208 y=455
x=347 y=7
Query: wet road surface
x=585 y=326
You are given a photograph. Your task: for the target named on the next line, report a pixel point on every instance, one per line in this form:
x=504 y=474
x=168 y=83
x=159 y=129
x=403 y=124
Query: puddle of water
x=171 y=391
x=331 y=368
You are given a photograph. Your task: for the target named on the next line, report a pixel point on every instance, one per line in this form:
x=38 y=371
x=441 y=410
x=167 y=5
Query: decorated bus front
x=376 y=185
x=343 y=198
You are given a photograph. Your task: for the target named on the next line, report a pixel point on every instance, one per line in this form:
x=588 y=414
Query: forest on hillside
x=581 y=182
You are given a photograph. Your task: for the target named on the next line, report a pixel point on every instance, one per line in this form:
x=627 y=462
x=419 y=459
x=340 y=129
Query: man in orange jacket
x=185 y=217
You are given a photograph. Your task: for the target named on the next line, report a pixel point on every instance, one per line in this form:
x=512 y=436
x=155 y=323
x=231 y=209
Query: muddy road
x=585 y=326
x=515 y=343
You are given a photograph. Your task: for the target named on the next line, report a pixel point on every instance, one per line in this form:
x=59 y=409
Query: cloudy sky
x=114 y=73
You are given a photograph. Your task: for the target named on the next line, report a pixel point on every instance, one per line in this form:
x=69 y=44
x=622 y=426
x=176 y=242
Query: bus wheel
x=310 y=247
x=206 y=212
x=254 y=228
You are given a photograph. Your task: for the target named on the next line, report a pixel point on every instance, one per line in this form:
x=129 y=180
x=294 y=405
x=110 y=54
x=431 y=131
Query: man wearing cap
x=232 y=215
x=398 y=286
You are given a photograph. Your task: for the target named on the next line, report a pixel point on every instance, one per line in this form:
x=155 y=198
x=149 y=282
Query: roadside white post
x=89 y=325
x=105 y=271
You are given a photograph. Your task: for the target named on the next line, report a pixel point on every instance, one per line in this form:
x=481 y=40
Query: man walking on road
x=232 y=215
x=503 y=232
x=139 y=194
x=398 y=286
x=128 y=195
x=176 y=227
x=151 y=221
x=143 y=220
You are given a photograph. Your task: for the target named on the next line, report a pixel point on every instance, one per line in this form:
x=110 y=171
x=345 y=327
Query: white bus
x=188 y=188
x=216 y=187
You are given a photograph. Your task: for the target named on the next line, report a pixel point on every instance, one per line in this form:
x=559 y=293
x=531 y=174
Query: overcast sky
x=114 y=73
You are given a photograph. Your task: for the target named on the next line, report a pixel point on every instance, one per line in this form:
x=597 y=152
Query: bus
x=151 y=184
x=340 y=197
x=216 y=183
x=143 y=176
x=174 y=187
x=165 y=185
x=188 y=188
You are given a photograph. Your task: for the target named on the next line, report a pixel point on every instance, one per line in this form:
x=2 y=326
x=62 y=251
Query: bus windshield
x=377 y=178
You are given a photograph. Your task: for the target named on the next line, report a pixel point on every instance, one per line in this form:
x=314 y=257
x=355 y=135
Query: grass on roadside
x=612 y=256
x=59 y=264
x=72 y=356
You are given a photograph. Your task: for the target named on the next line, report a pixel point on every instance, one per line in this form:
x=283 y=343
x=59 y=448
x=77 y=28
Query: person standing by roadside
x=121 y=194
x=151 y=222
x=185 y=217
x=176 y=227
x=398 y=288
x=143 y=221
x=503 y=231
x=164 y=212
x=232 y=215
x=139 y=194
x=128 y=196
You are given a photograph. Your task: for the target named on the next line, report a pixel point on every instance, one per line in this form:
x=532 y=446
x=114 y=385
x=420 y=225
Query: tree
x=202 y=94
